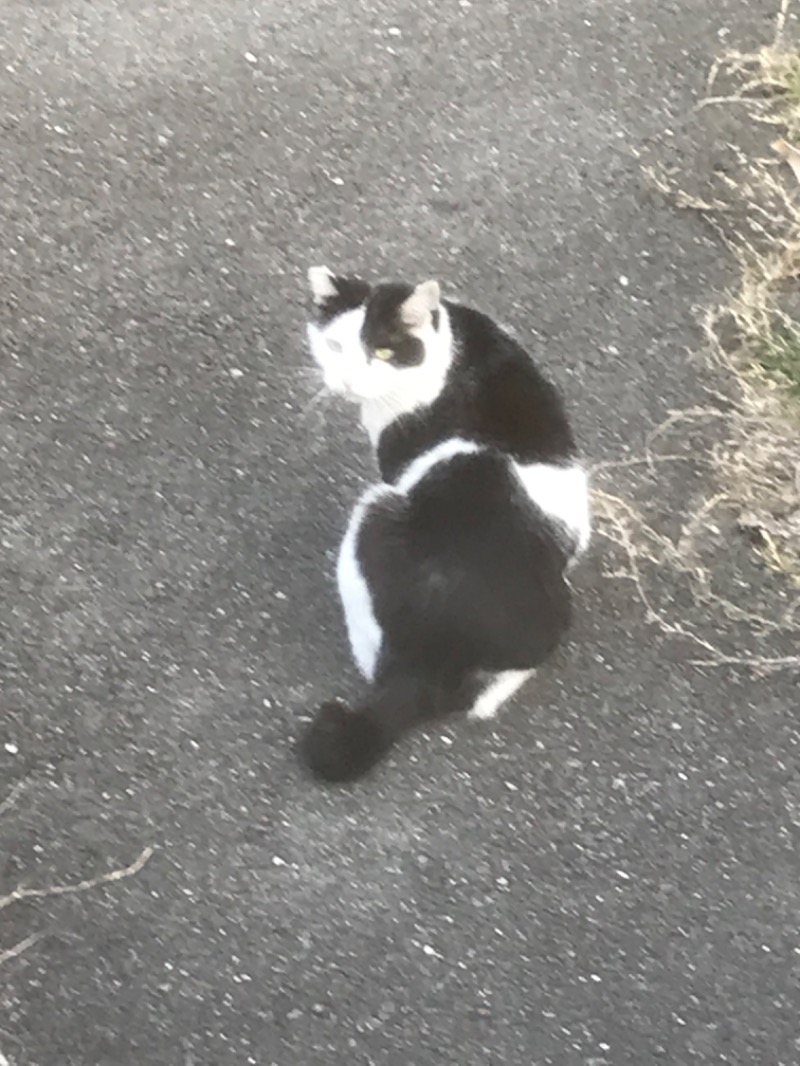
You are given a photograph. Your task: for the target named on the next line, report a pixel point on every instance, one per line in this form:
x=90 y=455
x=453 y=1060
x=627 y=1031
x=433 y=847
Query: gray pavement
x=608 y=878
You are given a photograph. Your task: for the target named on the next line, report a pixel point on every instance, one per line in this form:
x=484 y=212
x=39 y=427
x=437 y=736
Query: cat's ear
x=416 y=311
x=323 y=284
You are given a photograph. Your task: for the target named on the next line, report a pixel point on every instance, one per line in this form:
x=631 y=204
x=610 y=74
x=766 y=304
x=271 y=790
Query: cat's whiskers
x=317 y=404
x=309 y=373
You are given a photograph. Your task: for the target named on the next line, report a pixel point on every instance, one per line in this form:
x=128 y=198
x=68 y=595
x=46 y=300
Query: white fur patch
x=562 y=492
x=322 y=284
x=363 y=631
x=423 y=464
x=384 y=391
x=501 y=688
x=340 y=355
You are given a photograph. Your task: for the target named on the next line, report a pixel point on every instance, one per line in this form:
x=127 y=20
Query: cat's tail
x=343 y=743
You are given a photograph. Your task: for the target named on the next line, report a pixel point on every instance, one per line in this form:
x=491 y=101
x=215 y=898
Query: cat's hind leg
x=499 y=688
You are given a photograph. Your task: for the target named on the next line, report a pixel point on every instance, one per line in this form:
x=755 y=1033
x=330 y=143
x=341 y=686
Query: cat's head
x=371 y=342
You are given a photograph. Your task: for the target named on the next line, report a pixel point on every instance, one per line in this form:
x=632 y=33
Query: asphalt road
x=610 y=877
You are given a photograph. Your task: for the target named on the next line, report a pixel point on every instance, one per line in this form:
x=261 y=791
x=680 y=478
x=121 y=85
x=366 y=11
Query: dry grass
x=764 y=196
x=766 y=81
x=675 y=574
x=754 y=333
x=746 y=446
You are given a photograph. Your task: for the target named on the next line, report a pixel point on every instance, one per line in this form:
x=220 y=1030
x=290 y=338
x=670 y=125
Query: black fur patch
x=465 y=572
x=383 y=327
x=341 y=744
x=350 y=293
x=494 y=394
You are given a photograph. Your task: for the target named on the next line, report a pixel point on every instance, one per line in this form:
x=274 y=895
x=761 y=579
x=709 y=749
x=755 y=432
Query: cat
x=453 y=570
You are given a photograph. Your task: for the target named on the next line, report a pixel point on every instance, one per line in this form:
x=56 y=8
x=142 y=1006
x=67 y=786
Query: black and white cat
x=452 y=570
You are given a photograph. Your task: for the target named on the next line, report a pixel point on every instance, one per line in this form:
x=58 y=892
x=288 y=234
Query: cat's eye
x=334 y=346
x=385 y=354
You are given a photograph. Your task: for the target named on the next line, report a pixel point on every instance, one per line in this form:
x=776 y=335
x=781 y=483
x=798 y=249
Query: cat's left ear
x=416 y=311
x=323 y=284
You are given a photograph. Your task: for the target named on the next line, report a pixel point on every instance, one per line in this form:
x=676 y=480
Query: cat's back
x=494 y=395
x=495 y=400
x=465 y=568
x=507 y=401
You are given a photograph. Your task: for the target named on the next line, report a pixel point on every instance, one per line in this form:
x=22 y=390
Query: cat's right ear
x=323 y=284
